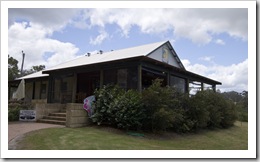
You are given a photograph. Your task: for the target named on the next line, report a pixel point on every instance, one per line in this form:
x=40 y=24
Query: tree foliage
x=241 y=103
x=13 y=71
x=159 y=103
x=33 y=69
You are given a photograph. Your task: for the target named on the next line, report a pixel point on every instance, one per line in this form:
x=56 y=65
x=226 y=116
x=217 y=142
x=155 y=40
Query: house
x=57 y=93
x=131 y=68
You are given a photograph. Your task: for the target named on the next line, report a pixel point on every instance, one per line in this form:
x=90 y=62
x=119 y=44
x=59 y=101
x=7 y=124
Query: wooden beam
x=40 y=95
x=33 y=91
x=49 y=94
x=139 y=82
x=74 y=88
x=187 y=82
x=202 y=86
x=101 y=78
x=168 y=78
x=214 y=87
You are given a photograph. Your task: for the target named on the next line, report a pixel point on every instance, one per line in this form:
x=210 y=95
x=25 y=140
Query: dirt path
x=16 y=130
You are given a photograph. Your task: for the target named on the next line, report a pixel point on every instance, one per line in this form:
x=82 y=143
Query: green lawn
x=95 y=138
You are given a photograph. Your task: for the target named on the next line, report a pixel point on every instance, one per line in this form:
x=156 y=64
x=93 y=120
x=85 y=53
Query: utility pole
x=22 y=62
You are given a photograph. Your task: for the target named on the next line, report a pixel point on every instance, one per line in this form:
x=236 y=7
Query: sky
x=212 y=42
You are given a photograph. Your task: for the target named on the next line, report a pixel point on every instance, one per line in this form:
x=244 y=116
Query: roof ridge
x=161 y=42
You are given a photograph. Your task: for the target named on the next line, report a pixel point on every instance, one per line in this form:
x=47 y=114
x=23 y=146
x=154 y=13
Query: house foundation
x=44 y=109
x=76 y=116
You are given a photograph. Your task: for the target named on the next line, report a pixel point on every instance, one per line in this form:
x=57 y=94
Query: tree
x=13 y=71
x=33 y=69
x=244 y=101
x=241 y=103
x=38 y=68
x=233 y=96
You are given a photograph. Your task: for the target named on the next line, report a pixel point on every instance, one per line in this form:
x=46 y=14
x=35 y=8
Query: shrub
x=198 y=111
x=158 y=103
x=160 y=108
x=118 y=108
x=13 y=114
x=14 y=110
x=103 y=111
x=129 y=112
x=229 y=115
x=242 y=113
x=209 y=110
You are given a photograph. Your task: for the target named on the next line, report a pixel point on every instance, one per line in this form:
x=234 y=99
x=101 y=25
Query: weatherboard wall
x=164 y=54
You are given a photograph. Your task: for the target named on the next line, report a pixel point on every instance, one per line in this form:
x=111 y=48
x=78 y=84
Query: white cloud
x=32 y=34
x=220 y=42
x=33 y=40
x=51 y=18
x=233 y=77
x=206 y=58
x=198 y=25
x=100 y=38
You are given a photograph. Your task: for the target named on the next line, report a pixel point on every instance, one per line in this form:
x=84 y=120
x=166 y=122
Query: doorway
x=87 y=83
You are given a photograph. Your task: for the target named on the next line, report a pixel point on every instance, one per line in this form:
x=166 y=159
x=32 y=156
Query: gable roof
x=143 y=50
x=121 y=54
x=117 y=55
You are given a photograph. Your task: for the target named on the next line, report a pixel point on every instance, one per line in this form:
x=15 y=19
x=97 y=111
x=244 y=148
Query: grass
x=100 y=138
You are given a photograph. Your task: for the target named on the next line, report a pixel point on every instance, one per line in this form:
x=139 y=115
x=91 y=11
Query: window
x=122 y=78
x=132 y=78
x=178 y=83
x=110 y=76
x=125 y=78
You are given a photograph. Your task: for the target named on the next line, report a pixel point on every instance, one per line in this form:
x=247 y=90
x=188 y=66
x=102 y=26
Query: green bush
x=160 y=108
x=210 y=110
x=198 y=111
x=13 y=114
x=159 y=103
x=104 y=112
x=229 y=115
x=14 y=110
x=118 y=108
x=129 y=112
x=242 y=113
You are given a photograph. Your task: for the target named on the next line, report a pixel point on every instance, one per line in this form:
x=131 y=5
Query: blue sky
x=210 y=42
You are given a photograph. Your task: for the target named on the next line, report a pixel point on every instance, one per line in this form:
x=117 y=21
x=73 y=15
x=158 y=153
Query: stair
x=54 y=118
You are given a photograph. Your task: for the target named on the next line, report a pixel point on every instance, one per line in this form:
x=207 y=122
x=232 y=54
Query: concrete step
x=52 y=121
x=54 y=118
x=61 y=114
x=60 y=118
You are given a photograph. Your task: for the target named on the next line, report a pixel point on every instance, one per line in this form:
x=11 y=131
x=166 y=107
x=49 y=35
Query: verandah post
x=139 y=82
x=101 y=78
x=74 y=88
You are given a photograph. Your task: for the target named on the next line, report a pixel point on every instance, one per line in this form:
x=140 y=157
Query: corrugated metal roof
x=132 y=52
x=143 y=50
x=34 y=75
